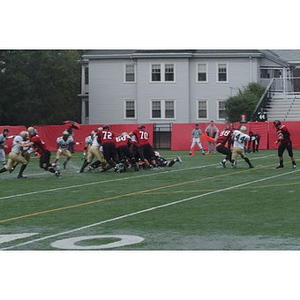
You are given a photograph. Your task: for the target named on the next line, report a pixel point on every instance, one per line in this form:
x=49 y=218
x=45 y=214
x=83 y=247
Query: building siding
x=108 y=90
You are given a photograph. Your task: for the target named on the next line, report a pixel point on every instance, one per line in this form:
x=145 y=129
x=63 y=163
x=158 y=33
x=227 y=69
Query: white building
x=170 y=86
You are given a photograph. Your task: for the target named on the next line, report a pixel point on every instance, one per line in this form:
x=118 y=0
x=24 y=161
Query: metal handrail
x=263 y=100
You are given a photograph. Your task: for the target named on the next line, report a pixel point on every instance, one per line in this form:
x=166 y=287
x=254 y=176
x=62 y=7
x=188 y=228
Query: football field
x=194 y=205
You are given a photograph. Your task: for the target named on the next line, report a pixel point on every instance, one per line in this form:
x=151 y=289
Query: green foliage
x=39 y=87
x=244 y=102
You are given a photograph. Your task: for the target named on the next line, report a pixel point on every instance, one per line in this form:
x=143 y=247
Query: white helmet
x=65 y=133
x=243 y=129
x=24 y=134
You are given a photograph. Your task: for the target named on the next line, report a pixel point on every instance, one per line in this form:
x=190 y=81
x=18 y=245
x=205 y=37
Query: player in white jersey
x=3 y=137
x=94 y=152
x=19 y=143
x=63 y=143
x=240 y=138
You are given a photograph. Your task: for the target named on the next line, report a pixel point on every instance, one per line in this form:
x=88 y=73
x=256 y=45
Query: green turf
x=196 y=205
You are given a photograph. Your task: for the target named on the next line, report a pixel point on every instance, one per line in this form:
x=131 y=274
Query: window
x=130 y=73
x=162 y=72
x=222 y=72
x=202 y=73
x=202 y=109
x=156 y=76
x=169 y=72
x=169 y=109
x=221 y=111
x=162 y=109
x=129 y=109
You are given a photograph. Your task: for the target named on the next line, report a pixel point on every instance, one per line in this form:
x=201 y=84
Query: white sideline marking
x=146 y=210
x=153 y=173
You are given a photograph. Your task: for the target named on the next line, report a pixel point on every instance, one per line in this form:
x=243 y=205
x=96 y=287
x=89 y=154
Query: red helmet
x=277 y=123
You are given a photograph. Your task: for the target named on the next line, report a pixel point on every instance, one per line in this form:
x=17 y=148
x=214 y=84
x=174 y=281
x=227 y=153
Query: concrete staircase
x=284 y=108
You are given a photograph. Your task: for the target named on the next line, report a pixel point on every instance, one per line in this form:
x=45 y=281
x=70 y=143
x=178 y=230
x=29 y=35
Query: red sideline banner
x=50 y=133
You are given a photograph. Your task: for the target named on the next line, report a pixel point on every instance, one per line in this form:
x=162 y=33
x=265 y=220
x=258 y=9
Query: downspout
x=251 y=70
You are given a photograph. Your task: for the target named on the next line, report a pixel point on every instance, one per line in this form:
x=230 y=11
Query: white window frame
x=162 y=72
x=162 y=109
x=217 y=72
x=134 y=70
x=197 y=109
x=197 y=72
x=218 y=110
x=125 y=102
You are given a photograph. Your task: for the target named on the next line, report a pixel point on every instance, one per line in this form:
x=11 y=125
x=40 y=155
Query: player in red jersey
x=224 y=136
x=145 y=150
x=41 y=149
x=106 y=139
x=285 y=143
x=123 y=142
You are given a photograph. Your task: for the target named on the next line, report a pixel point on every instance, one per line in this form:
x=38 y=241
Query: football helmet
x=24 y=134
x=277 y=123
x=243 y=129
x=142 y=127
x=65 y=133
x=106 y=127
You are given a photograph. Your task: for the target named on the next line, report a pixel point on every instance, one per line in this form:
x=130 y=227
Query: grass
x=196 y=205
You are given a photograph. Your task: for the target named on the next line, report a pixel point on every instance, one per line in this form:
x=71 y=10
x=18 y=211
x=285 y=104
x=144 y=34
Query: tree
x=39 y=87
x=244 y=102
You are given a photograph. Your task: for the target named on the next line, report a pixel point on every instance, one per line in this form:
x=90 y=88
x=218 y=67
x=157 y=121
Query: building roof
x=282 y=57
x=292 y=56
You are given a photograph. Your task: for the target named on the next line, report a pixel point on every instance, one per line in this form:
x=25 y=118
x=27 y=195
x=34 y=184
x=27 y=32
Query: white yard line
x=148 y=210
x=151 y=173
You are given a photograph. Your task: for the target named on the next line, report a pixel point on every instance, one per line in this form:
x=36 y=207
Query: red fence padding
x=180 y=137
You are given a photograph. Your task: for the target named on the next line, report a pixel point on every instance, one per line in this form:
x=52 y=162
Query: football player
x=19 y=143
x=285 y=143
x=122 y=145
x=63 y=144
x=240 y=138
x=94 y=152
x=44 y=153
x=106 y=139
x=3 y=145
x=224 y=136
x=145 y=150
x=162 y=162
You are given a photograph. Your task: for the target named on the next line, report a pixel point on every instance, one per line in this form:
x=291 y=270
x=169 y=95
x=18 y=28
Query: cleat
x=178 y=159
x=11 y=170
x=279 y=166
x=21 y=176
x=203 y=153
x=57 y=174
x=294 y=167
x=234 y=165
x=223 y=163
x=251 y=166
